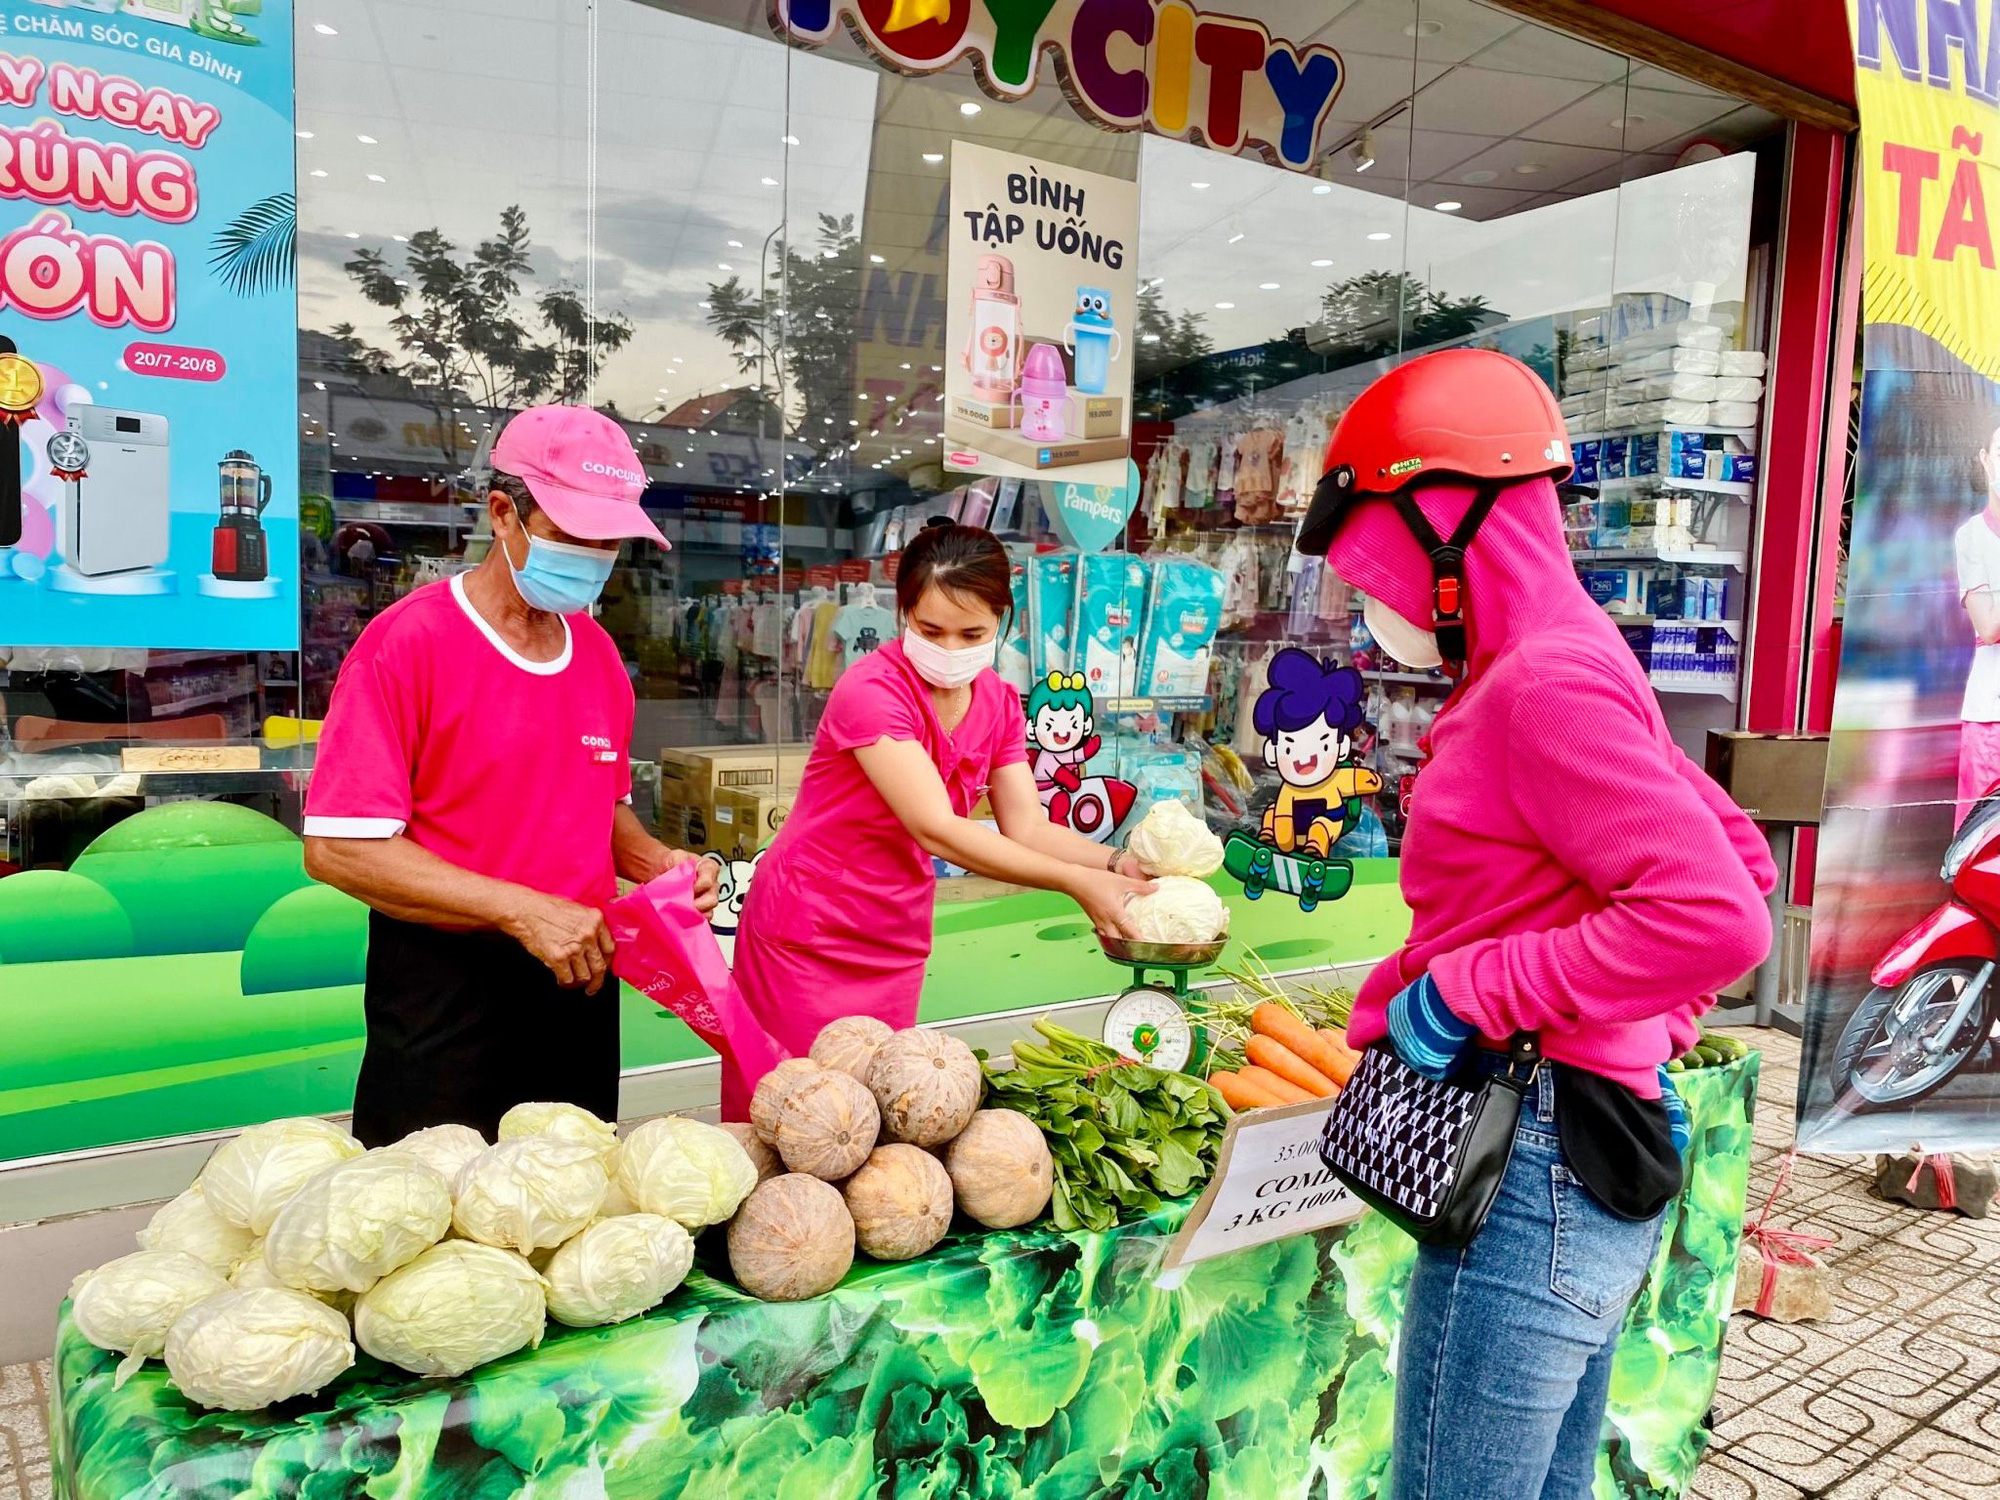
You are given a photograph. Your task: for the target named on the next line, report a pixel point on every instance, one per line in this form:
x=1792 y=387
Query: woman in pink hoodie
x=1569 y=872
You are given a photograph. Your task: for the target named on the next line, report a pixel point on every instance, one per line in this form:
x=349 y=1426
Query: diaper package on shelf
x=1738 y=388
x=1183 y=612
x=1669 y=388
x=1742 y=362
x=1733 y=414
x=1674 y=361
x=1051 y=597
x=1015 y=661
x=1110 y=594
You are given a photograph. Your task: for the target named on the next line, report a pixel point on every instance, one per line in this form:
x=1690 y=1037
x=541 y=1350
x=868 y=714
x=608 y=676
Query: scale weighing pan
x=1163 y=955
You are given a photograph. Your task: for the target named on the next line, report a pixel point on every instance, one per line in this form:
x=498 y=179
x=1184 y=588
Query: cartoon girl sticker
x=1062 y=732
x=1309 y=714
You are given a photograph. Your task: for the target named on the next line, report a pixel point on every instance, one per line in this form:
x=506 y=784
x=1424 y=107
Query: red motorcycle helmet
x=1472 y=414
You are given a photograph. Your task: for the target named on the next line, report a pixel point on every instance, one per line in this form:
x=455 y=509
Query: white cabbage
x=457 y=1305
x=1171 y=840
x=530 y=1192
x=128 y=1304
x=1179 y=911
x=569 y=1122
x=250 y=1178
x=615 y=1204
x=684 y=1170
x=445 y=1148
x=255 y=1271
x=246 y=1349
x=356 y=1221
x=617 y=1269
x=188 y=1223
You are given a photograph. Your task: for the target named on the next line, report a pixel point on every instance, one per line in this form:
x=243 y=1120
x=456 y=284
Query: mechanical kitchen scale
x=1150 y=1021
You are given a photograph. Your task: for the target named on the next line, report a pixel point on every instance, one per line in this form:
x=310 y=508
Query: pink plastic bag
x=668 y=952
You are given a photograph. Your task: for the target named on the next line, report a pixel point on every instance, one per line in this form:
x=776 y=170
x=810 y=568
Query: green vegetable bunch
x=1124 y=1136
x=1714 y=1050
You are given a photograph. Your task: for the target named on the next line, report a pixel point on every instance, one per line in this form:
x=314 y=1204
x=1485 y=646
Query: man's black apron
x=462 y=1026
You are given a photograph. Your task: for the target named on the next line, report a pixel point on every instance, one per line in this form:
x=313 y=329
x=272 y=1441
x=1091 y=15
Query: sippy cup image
x=994 y=344
x=1092 y=339
x=1044 y=395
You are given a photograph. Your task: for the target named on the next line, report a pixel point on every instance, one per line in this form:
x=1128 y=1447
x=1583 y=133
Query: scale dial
x=69 y=452
x=1148 y=1024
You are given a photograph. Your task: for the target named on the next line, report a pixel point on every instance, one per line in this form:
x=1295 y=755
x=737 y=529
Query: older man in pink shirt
x=473 y=787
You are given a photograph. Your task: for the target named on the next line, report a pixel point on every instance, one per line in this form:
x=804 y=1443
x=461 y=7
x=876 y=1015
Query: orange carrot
x=1289 y=1066
x=1242 y=1093
x=1287 y=1092
x=1348 y=1058
x=1281 y=1026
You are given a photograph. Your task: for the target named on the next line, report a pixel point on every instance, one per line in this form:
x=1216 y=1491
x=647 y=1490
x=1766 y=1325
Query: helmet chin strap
x=1448 y=591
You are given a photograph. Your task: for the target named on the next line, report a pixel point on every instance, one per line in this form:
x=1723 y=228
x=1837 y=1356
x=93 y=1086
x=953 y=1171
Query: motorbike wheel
x=1866 y=1042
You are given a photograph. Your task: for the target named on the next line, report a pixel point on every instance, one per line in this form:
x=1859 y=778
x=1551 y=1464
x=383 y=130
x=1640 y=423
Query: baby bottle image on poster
x=1041 y=291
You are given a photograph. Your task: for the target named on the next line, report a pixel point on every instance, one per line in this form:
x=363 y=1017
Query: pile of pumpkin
x=869 y=1142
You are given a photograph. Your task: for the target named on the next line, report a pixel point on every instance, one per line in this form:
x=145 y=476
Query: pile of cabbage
x=437 y=1254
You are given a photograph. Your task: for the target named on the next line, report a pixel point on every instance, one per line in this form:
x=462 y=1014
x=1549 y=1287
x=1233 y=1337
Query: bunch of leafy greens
x=1124 y=1136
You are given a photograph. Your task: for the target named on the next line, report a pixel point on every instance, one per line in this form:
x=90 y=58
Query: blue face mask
x=560 y=578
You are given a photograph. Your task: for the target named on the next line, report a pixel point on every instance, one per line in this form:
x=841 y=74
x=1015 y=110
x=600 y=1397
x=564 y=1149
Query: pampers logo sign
x=1158 y=65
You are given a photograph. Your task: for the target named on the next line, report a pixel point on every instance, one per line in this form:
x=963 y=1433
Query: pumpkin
x=1000 y=1169
x=900 y=1201
x=762 y=1157
x=827 y=1125
x=770 y=1093
x=849 y=1044
x=792 y=1238
x=927 y=1084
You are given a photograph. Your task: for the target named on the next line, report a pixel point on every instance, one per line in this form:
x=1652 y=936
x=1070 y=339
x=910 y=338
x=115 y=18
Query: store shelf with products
x=1696 y=557
x=1743 y=489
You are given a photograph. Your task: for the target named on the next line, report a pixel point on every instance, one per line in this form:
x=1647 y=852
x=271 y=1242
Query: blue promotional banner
x=148 y=325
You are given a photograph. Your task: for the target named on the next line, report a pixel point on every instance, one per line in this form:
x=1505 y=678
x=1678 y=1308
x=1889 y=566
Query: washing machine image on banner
x=1062 y=734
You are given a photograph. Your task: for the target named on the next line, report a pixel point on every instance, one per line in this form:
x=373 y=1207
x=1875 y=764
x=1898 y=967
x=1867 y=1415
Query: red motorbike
x=1934 y=1004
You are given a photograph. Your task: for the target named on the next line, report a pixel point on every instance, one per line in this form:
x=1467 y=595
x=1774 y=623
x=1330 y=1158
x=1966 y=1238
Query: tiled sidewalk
x=1897 y=1398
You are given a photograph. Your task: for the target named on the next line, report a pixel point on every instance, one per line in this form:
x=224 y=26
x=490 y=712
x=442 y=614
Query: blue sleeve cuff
x=1423 y=1029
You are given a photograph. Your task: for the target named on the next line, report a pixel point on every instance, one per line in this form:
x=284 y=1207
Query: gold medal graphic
x=20 y=388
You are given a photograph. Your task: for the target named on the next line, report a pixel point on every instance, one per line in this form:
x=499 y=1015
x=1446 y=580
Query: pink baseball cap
x=580 y=467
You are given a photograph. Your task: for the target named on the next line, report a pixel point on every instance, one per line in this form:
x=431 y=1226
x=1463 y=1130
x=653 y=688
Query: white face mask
x=1406 y=642
x=944 y=668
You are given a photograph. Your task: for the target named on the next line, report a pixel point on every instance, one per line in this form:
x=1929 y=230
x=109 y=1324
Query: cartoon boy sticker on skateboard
x=1308 y=715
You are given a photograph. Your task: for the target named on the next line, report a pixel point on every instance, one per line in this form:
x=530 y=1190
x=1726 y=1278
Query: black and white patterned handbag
x=1430 y=1155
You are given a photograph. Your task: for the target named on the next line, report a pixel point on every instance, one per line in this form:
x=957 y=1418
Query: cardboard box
x=693 y=775
x=741 y=823
x=1060 y=455
x=991 y=415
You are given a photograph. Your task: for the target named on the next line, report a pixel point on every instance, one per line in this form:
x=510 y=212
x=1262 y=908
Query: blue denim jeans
x=1504 y=1364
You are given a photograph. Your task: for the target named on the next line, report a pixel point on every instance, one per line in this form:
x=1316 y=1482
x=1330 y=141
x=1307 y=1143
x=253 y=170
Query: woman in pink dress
x=838 y=920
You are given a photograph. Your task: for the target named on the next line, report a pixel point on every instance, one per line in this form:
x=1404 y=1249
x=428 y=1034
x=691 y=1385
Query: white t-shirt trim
x=539 y=668
x=353 y=828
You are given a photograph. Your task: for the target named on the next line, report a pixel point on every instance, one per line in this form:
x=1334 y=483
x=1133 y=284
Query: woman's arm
x=903 y=773
x=1682 y=912
x=1017 y=807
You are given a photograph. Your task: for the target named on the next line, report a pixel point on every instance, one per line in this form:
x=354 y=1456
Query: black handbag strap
x=1524 y=1062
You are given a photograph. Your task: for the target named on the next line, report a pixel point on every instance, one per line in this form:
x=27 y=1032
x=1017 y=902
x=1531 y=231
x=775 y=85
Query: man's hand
x=570 y=938
x=705 y=877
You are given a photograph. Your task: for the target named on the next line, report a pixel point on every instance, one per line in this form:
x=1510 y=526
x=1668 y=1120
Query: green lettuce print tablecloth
x=1018 y=1364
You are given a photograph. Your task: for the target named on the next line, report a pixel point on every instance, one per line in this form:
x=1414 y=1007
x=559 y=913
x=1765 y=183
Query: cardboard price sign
x=1269 y=1183
x=852 y=572
x=819 y=578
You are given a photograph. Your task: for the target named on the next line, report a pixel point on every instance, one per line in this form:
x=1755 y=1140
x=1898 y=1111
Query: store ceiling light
x=852 y=422
x=1423 y=28
x=1482 y=175
x=317 y=172
x=1363 y=150
x=679 y=360
x=1529 y=169
x=1381 y=234
x=1322 y=264
x=323 y=29
x=829 y=255
x=1224 y=306
x=735 y=244
x=1199 y=187
x=1623 y=120
x=367 y=140
x=304 y=135
x=376 y=177
x=722 y=265
x=790 y=140
x=1149 y=338
x=968 y=109
x=1267 y=286
x=875 y=260
x=933 y=157
x=1448 y=206
x=401 y=239
x=1321 y=189
x=354 y=234
x=1236 y=236
x=768 y=181
x=906 y=364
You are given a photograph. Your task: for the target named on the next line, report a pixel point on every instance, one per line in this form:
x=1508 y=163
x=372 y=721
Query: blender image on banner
x=1044 y=395
x=1092 y=339
x=992 y=353
x=239 y=550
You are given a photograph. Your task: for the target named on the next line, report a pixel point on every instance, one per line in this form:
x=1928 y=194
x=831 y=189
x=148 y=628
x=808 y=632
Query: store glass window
x=737 y=247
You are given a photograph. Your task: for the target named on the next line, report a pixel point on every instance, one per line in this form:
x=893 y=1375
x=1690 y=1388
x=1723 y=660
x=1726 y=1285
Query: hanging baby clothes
x=860 y=627
x=1238 y=566
x=1257 y=453
x=823 y=655
x=1198 y=493
x=1225 y=471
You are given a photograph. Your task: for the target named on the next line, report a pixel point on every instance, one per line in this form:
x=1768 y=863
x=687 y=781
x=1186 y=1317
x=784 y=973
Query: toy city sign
x=1159 y=65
